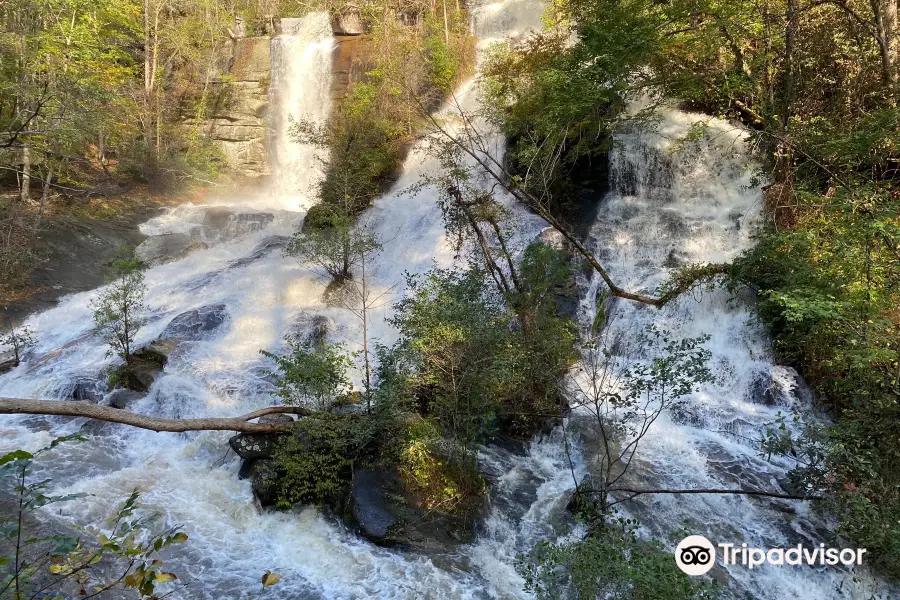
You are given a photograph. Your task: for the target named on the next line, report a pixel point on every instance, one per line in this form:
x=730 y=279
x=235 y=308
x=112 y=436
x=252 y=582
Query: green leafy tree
x=623 y=403
x=336 y=250
x=119 y=311
x=311 y=374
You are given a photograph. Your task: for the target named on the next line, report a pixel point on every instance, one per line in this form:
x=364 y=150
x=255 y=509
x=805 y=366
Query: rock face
x=351 y=60
x=238 y=118
x=160 y=249
x=220 y=224
x=197 y=324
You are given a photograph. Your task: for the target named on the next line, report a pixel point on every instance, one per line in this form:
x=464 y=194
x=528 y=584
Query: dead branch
x=81 y=408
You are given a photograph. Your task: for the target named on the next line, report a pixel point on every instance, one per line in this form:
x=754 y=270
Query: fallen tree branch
x=82 y=408
x=635 y=493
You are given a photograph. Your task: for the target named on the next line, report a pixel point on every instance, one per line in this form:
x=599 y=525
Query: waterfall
x=675 y=202
x=698 y=205
x=299 y=89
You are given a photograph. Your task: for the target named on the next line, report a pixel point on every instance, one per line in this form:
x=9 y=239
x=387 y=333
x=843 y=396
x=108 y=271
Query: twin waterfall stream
x=665 y=209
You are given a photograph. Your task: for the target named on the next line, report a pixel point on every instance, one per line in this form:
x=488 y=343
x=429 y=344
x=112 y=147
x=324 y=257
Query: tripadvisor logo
x=696 y=555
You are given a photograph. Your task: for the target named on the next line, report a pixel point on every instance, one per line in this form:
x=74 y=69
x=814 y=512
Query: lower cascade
x=669 y=204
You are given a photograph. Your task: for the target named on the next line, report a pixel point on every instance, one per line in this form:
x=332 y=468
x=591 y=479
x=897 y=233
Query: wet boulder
x=89 y=390
x=160 y=249
x=196 y=324
x=374 y=513
x=147 y=363
x=263 y=480
x=122 y=398
x=763 y=390
x=251 y=446
x=384 y=509
x=7 y=362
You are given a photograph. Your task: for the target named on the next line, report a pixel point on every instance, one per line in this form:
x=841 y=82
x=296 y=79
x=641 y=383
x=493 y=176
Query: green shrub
x=610 y=563
x=314 y=464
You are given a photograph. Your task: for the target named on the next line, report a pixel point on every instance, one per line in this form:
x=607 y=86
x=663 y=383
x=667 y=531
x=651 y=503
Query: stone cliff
x=239 y=122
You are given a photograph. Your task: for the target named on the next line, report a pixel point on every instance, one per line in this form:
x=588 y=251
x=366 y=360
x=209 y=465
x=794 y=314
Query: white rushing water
x=672 y=203
x=299 y=90
x=694 y=207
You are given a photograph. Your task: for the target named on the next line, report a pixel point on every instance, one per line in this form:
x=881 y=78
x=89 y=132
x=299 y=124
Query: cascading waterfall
x=676 y=202
x=663 y=211
x=300 y=89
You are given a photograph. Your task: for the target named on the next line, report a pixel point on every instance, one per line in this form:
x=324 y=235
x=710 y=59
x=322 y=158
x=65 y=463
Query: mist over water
x=699 y=205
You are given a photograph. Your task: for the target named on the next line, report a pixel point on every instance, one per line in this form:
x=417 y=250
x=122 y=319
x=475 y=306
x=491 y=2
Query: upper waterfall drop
x=300 y=89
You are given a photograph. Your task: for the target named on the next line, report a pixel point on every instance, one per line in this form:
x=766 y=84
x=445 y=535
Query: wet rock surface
x=387 y=513
x=252 y=446
x=220 y=224
x=7 y=362
x=90 y=390
x=197 y=324
x=147 y=363
x=123 y=399
x=263 y=249
x=372 y=511
x=161 y=249
x=263 y=480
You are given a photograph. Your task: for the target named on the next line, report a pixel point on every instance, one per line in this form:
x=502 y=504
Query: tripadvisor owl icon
x=695 y=555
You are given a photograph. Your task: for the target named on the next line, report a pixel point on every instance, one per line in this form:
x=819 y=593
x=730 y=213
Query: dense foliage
x=612 y=563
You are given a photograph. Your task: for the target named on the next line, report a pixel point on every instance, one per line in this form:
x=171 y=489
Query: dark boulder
x=122 y=398
x=251 y=446
x=386 y=512
x=196 y=324
x=374 y=513
x=263 y=480
x=764 y=390
x=90 y=390
x=7 y=362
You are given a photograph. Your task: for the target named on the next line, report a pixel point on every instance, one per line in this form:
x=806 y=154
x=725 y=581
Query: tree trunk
x=365 y=324
x=25 y=189
x=82 y=408
x=446 y=28
x=885 y=12
x=45 y=193
x=787 y=98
